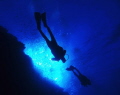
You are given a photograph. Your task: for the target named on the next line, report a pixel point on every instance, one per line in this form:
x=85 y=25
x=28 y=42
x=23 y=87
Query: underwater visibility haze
x=89 y=31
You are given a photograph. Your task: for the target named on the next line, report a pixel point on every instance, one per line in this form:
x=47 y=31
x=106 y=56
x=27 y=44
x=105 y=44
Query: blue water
x=88 y=29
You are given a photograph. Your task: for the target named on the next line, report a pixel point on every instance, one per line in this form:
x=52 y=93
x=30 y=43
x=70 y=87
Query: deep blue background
x=88 y=29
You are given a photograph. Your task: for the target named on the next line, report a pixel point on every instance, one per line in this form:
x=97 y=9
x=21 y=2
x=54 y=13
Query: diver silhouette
x=83 y=79
x=56 y=50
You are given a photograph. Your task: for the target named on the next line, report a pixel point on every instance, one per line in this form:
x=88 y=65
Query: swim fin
x=38 y=20
x=44 y=19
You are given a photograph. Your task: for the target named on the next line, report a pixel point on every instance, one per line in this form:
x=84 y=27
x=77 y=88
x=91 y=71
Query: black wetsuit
x=56 y=50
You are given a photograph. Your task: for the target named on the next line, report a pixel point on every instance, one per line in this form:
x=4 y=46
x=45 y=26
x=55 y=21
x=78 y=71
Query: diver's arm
x=54 y=59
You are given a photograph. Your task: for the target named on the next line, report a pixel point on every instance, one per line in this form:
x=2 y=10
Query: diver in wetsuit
x=83 y=79
x=56 y=50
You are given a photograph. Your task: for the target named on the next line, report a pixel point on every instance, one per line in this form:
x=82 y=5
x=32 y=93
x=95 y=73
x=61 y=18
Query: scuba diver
x=83 y=79
x=56 y=50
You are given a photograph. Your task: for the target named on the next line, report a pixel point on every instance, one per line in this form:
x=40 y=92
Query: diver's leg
x=45 y=24
x=77 y=71
x=38 y=21
x=43 y=35
x=51 y=35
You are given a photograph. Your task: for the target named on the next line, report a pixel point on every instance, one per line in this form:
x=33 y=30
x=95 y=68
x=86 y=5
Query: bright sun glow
x=41 y=57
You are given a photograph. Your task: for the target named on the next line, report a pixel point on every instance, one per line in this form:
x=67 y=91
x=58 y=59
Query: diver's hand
x=54 y=59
